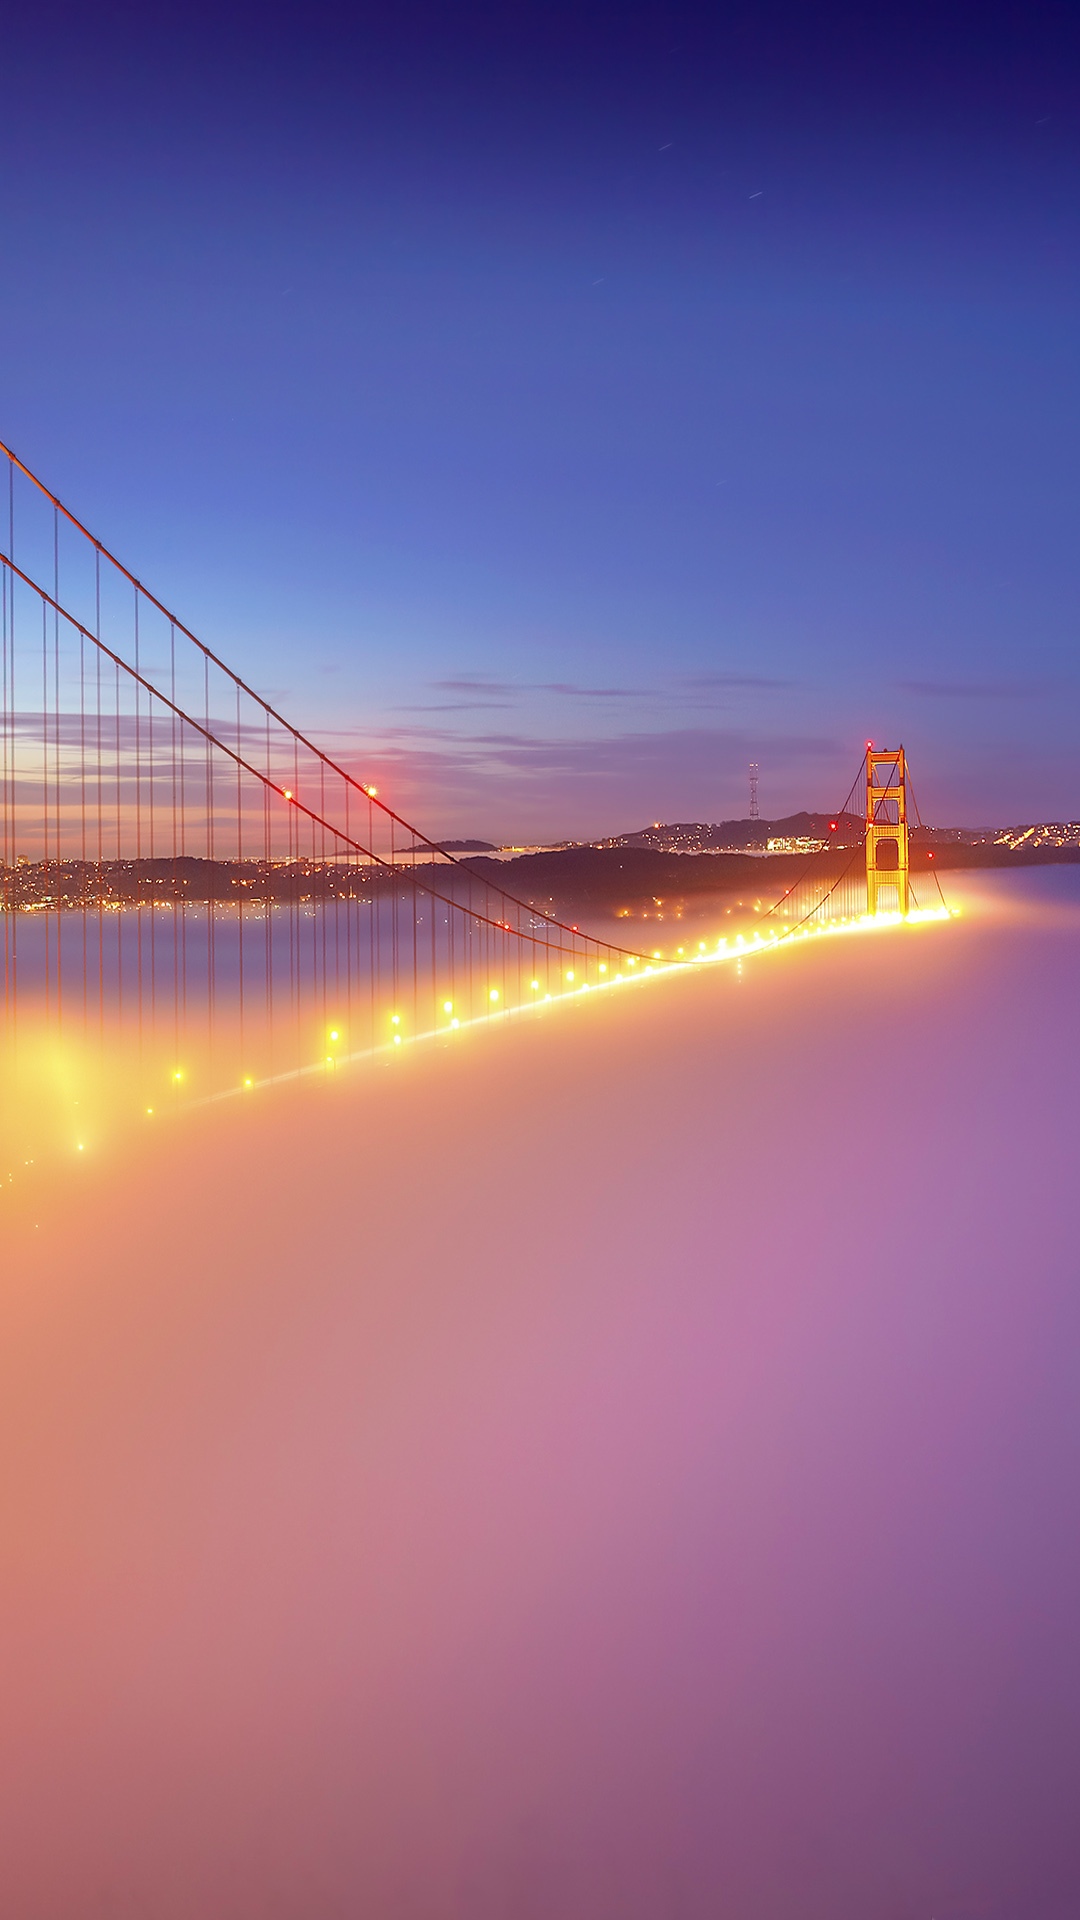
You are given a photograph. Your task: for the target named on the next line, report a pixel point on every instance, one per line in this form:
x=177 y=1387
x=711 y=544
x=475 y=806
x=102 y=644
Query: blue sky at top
x=563 y=407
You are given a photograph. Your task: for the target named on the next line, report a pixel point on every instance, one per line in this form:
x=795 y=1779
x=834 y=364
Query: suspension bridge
x=196 y=897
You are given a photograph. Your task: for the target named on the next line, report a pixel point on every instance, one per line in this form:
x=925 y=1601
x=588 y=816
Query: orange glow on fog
x=65 y=1096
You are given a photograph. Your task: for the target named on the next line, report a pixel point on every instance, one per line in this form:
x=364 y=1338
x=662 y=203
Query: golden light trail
x=68 y=1085
x=724 y=951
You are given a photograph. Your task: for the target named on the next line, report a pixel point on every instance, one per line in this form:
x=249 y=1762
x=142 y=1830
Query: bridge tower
x=887 y=883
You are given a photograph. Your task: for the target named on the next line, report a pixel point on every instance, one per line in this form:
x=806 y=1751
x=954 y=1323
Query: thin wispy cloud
x=573 y=692
x=978 y=689
x=478 y=689
x=737 y=682
x=476 y=683
x=479 y=685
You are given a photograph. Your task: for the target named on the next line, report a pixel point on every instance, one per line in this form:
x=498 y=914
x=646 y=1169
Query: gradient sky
x=562 y=406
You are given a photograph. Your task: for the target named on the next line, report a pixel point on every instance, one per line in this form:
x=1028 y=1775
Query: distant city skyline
x=558 y=413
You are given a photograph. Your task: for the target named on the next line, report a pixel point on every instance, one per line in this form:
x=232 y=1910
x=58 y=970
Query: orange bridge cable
x=919 y=823
x=301 y=738
x=403 y=873
x=787 y=932
x=813 y=858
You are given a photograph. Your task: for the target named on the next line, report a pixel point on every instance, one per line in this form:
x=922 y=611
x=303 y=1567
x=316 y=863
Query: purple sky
x=563 y=406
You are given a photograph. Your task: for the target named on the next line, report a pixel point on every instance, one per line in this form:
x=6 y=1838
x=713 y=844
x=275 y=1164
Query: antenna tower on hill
x=754 y=813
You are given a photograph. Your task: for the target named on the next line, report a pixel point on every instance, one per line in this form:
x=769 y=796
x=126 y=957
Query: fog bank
x=621 y=1464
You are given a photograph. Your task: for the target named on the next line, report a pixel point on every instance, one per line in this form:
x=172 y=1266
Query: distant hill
x=615 y=876
x=464 y=846
x=699 y=836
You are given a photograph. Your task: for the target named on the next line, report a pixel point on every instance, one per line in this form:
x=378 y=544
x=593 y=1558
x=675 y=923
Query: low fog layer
x=621 y=1465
